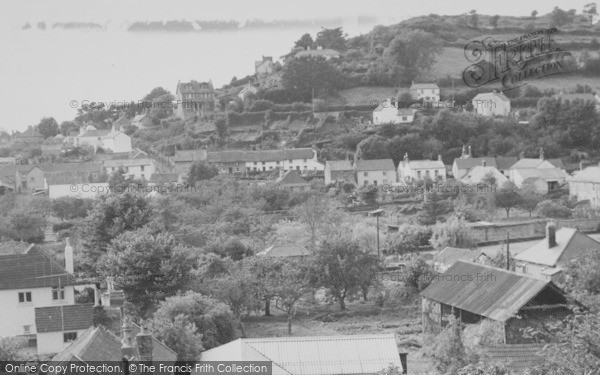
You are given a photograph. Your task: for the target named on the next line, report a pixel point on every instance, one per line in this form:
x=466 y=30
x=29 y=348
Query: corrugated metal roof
x=517 y=357
x=352 y=354
x=484 y=290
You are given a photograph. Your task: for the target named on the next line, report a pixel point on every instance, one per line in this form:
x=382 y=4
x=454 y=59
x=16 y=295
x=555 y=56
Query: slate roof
x=529 y=163
x=193 y=87
x=588 y=174
x=486 y=96
x=516 y=357
x=425 y=164
x=127 y=162
x=424 y=86
x=505 y=162
x=189 y=155
x=567 y=240
x=498 y=297
x=69 y=167
x=468 y=163
x=95 y=133
x=64 y=318
x=339 y=165
x=33 y=269
x=29 y=133
x=374 y=165
x=543 y=173
x=290 y=250
x=14 y=247
x=68 y=178
x=260 y=155
x=450 y=255
x=320 y=355
x=97 y=344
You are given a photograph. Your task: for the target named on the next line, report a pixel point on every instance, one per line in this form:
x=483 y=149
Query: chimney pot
x=69 y=263
x=127 y=349
x=470 y=153
x=483 y=162
x=144 y=342
x=551 y=234
x=521 y=155
x=439 y=157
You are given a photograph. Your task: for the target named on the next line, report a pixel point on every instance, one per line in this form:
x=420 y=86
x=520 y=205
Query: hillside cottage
x=491 y=104
x=388 y=113
x=484 y=173
x=29 y=136
x=463 y=165
x=339 y=171
x=139 y=169
x=549 y=256
x=73 y=184
x=585 y=185
x=427 y=92
x=107 y=139
x=409 y=170
x=375 y=172
x=326 y=53
x=240 y=161
x=264 y=67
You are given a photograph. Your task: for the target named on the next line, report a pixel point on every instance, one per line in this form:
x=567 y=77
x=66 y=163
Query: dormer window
x=58 y=294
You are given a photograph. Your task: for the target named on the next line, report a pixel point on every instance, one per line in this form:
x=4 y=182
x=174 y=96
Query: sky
x=41 y=72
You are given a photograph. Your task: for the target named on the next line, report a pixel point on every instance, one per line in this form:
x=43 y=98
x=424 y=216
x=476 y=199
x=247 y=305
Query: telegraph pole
x=507 y=250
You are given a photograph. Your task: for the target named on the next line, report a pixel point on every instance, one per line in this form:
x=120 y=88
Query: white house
x=338 y=171
x=387 y=112
x=247 y=90
x=139 y=169
x=239 y=161
x=491 y=104
x=420 y=169
x=375 y=172
x=326 y=53
x=482 y=173
x=585 y=185
x=142 y=121
x=107 y=139
x=38 y=296
x=73 y=184
x=428 y=92
x=541 y=180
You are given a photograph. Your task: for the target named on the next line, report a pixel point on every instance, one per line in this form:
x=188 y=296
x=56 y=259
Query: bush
x=261 y=105
x=61 y=226
x=554 y=209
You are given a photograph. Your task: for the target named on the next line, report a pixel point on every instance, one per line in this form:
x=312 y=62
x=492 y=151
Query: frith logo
x=515 y=62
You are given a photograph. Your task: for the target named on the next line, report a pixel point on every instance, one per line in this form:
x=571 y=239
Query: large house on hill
x=326 y=53
x=491 y=104
x=427 y=92
x=240 y=161
x=264 y=67
x=388 y=113
x=194 y=99
x=108 y=139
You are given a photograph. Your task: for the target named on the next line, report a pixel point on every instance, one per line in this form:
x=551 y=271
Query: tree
x=211 y=319
x=221 y=127
x=534 y=14
x=314 y=214
x=507 y=197
x=338 y=266
x=201 y=171
x=413 y=52
x=178 y=334
x=494 y=21
x=111 y=216
x=11 y=347
x=447 y=350
x=305 y=42
x=559 y=17
x=307 y=75
x=433 y=209
x=418 y=274
x=26 y=225
x=591 y=12
x=374 y=147
x=407 y=239
x=529 y=200
x=454 y=232
x=67 y=208
x=67 y=126
x=332 y=38
x=483 y=368
x=48 y=127
x=474 y=19
x=291 y=285
x=151 y=266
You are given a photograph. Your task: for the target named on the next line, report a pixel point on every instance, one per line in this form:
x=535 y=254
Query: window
x=142 y=168
x=436 y=173
x=142 y=176
x=263 y=163
x=305 y=167
x=26 y=329
x=58 y=294
x=304 y=160
x=427 y=173
x=277 y=163
x=404 y=118
x=418 y=174
x=237 y=169
x=255 y=163
x=298 y=167
x=291 y=161
x=365 y=174
x=69 y=336
x=24 y=297
x=384 y=173
x=375 y=182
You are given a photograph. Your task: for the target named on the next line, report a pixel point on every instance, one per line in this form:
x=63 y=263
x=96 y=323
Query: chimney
x=127 y=348
x=69 y=264
x=144 y=343
x=470 y=153
x=406 y=157
x=521 y=155
x=439 y=157
x=551 y=234
x=541 y=153
x=581 y=165
x=404 y=362
x=464 y=152
x=483 y=162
